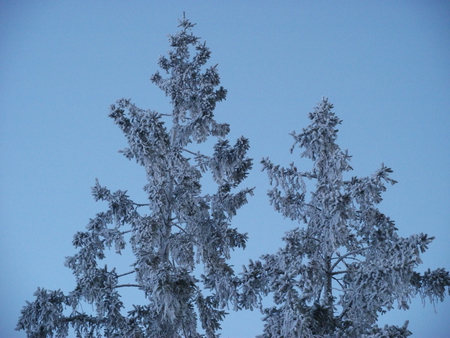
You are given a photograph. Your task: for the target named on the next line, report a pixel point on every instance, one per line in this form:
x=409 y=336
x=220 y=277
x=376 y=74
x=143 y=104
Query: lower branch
x=128 y=285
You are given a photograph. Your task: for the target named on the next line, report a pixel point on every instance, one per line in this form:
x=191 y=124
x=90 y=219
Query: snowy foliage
x=348 y=264
x=177 y=229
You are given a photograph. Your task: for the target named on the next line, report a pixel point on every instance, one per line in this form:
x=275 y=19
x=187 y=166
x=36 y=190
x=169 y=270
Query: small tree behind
x=348 y=265
x=177 y=229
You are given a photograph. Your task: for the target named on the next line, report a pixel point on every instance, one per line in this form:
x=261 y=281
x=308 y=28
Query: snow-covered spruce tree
x=176 y=230
x=348 y=264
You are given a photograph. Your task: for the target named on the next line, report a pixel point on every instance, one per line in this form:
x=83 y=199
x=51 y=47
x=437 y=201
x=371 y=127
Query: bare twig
x=341 y=258
x=126 y=273
x=188 y=151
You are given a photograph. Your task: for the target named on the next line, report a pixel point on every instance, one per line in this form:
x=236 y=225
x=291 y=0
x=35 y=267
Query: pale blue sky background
x=384 y=64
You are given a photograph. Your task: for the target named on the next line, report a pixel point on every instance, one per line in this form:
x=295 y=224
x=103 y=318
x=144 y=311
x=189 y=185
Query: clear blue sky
x=384 y=64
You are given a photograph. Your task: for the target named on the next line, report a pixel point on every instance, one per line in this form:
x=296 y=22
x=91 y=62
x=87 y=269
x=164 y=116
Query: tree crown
x=348 y=264
x=177 y=229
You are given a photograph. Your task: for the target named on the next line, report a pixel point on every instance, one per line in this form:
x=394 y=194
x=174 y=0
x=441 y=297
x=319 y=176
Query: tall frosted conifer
x=348 y=264
x=177 y=229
